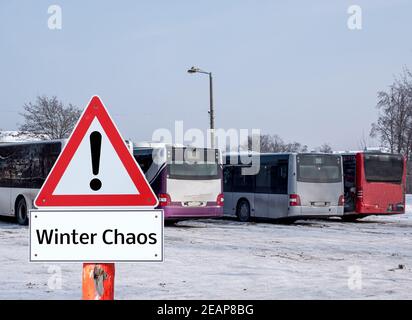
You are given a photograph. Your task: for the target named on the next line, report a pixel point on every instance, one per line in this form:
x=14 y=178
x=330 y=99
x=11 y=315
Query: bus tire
x=243 y=210
x=21 y=213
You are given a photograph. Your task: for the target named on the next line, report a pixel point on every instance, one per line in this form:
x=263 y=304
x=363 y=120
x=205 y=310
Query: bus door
x=262 y=190
x=278 y=197
x=349 y=182
x=229 y=206
x=244 y=188
x=5 y=201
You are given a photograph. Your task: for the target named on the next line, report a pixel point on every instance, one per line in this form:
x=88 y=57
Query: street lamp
x=211 y=110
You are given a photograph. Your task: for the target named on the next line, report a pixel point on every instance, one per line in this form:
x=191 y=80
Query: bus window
x=5 y=153
x=349 y=182
x=193 y=170
x=242 y=183
x=21 y=167
x=27 y=166
x=263 y=180
x=349 y=171
x=193 y=163
x=318 y=168
x=227 y=179
x=46 y=155
x=383 y=168
x=144 y=161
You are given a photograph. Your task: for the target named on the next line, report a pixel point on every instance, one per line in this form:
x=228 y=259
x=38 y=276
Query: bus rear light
x=294 y=200
x=341 y=201
x=220 y=200
x=359 y=193
x=164 y=199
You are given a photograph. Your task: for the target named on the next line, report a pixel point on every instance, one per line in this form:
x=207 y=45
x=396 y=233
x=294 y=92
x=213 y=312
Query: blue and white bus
x=287 y=186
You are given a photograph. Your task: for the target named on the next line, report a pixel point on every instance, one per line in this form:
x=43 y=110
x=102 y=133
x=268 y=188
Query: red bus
x=374 y=184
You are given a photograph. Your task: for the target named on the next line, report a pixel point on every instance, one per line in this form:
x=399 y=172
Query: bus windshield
x=383 y=168
x=193 y=171
x=319 y=168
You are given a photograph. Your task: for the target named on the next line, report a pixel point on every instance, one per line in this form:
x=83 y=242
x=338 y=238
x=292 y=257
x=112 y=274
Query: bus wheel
x=21 y=212
x=243 y=211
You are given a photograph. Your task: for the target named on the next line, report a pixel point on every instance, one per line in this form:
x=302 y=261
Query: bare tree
x=325 y=148
x=295 y=147
x=48 y=118
x=394 y=125
x=363 y=142
x=274 y=143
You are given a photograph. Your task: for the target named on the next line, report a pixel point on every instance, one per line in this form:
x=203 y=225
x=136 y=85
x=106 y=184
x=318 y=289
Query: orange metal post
x=98 y=281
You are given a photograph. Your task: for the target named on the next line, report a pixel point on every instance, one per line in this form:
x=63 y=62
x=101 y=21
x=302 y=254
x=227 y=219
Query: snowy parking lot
x=226 y=259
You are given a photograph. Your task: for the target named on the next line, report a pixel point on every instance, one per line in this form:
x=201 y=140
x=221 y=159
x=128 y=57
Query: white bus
x=288 y=186
x=24 y=167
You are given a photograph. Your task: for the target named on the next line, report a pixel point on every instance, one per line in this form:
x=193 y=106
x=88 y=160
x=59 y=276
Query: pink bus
x=186 y=180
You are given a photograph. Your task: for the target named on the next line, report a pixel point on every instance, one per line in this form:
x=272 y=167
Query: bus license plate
x=194 y=204
x=320 y=204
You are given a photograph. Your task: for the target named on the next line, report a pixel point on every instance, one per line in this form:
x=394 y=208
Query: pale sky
x=291 y=68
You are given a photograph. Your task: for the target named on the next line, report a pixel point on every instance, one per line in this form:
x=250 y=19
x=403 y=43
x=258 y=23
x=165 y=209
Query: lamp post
x=211 y=110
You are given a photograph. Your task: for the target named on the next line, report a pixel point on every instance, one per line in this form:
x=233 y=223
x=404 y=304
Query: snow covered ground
x=224 y=259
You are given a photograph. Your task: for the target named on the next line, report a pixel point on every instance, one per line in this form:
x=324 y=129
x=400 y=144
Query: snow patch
x=16 y=136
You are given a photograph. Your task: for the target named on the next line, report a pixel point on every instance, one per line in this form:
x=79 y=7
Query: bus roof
x=6 y=144
x=268 y=154
x=371 y=152
x=266 y=158
x=367 y=150
x=161 y=145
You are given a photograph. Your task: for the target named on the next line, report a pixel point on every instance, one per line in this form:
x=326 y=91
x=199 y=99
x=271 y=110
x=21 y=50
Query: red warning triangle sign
x=95 y=168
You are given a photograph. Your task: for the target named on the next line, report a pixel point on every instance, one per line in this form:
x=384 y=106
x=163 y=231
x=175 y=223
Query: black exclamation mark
x=95 y=147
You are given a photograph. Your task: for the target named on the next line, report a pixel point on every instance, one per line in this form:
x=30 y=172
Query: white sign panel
x=96 y=236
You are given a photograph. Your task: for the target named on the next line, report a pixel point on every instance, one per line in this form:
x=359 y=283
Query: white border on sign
x=160 y=211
